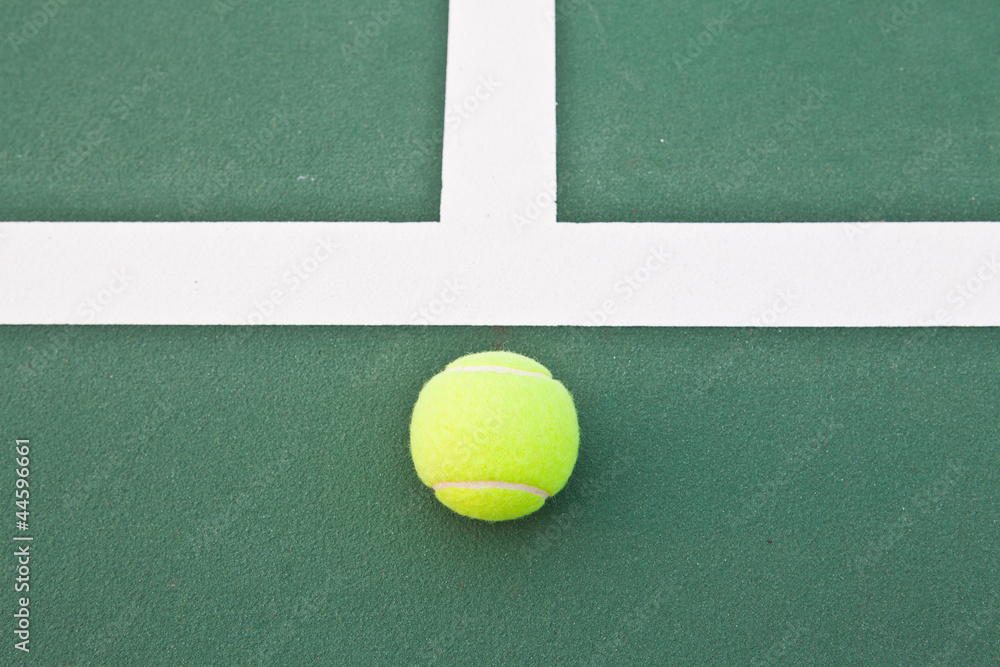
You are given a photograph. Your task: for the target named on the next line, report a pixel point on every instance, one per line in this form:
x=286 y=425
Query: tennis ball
x=494 y=435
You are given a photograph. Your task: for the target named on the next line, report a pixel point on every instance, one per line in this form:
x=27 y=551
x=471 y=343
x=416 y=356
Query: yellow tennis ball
x=494 y=435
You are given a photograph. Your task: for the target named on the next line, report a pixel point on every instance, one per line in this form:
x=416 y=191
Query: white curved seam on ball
x=498 y=369
x=513 y=486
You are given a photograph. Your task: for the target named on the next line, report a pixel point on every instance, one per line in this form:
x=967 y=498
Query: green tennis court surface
x=226 y=110
x=750 y=110
x=245 y=496
x=741 y=110
x=753 y=497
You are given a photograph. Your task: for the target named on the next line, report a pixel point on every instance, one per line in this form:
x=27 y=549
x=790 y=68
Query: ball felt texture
x=494 y=435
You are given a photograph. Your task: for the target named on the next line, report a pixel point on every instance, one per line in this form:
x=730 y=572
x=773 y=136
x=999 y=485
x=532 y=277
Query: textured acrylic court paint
x=101 y=131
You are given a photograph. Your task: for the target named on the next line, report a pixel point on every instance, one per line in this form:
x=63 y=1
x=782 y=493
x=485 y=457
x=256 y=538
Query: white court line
x=498 y=256
x=503 y=148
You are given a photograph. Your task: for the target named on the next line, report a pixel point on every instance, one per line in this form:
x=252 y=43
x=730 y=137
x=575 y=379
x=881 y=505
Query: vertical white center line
x=500 y=112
